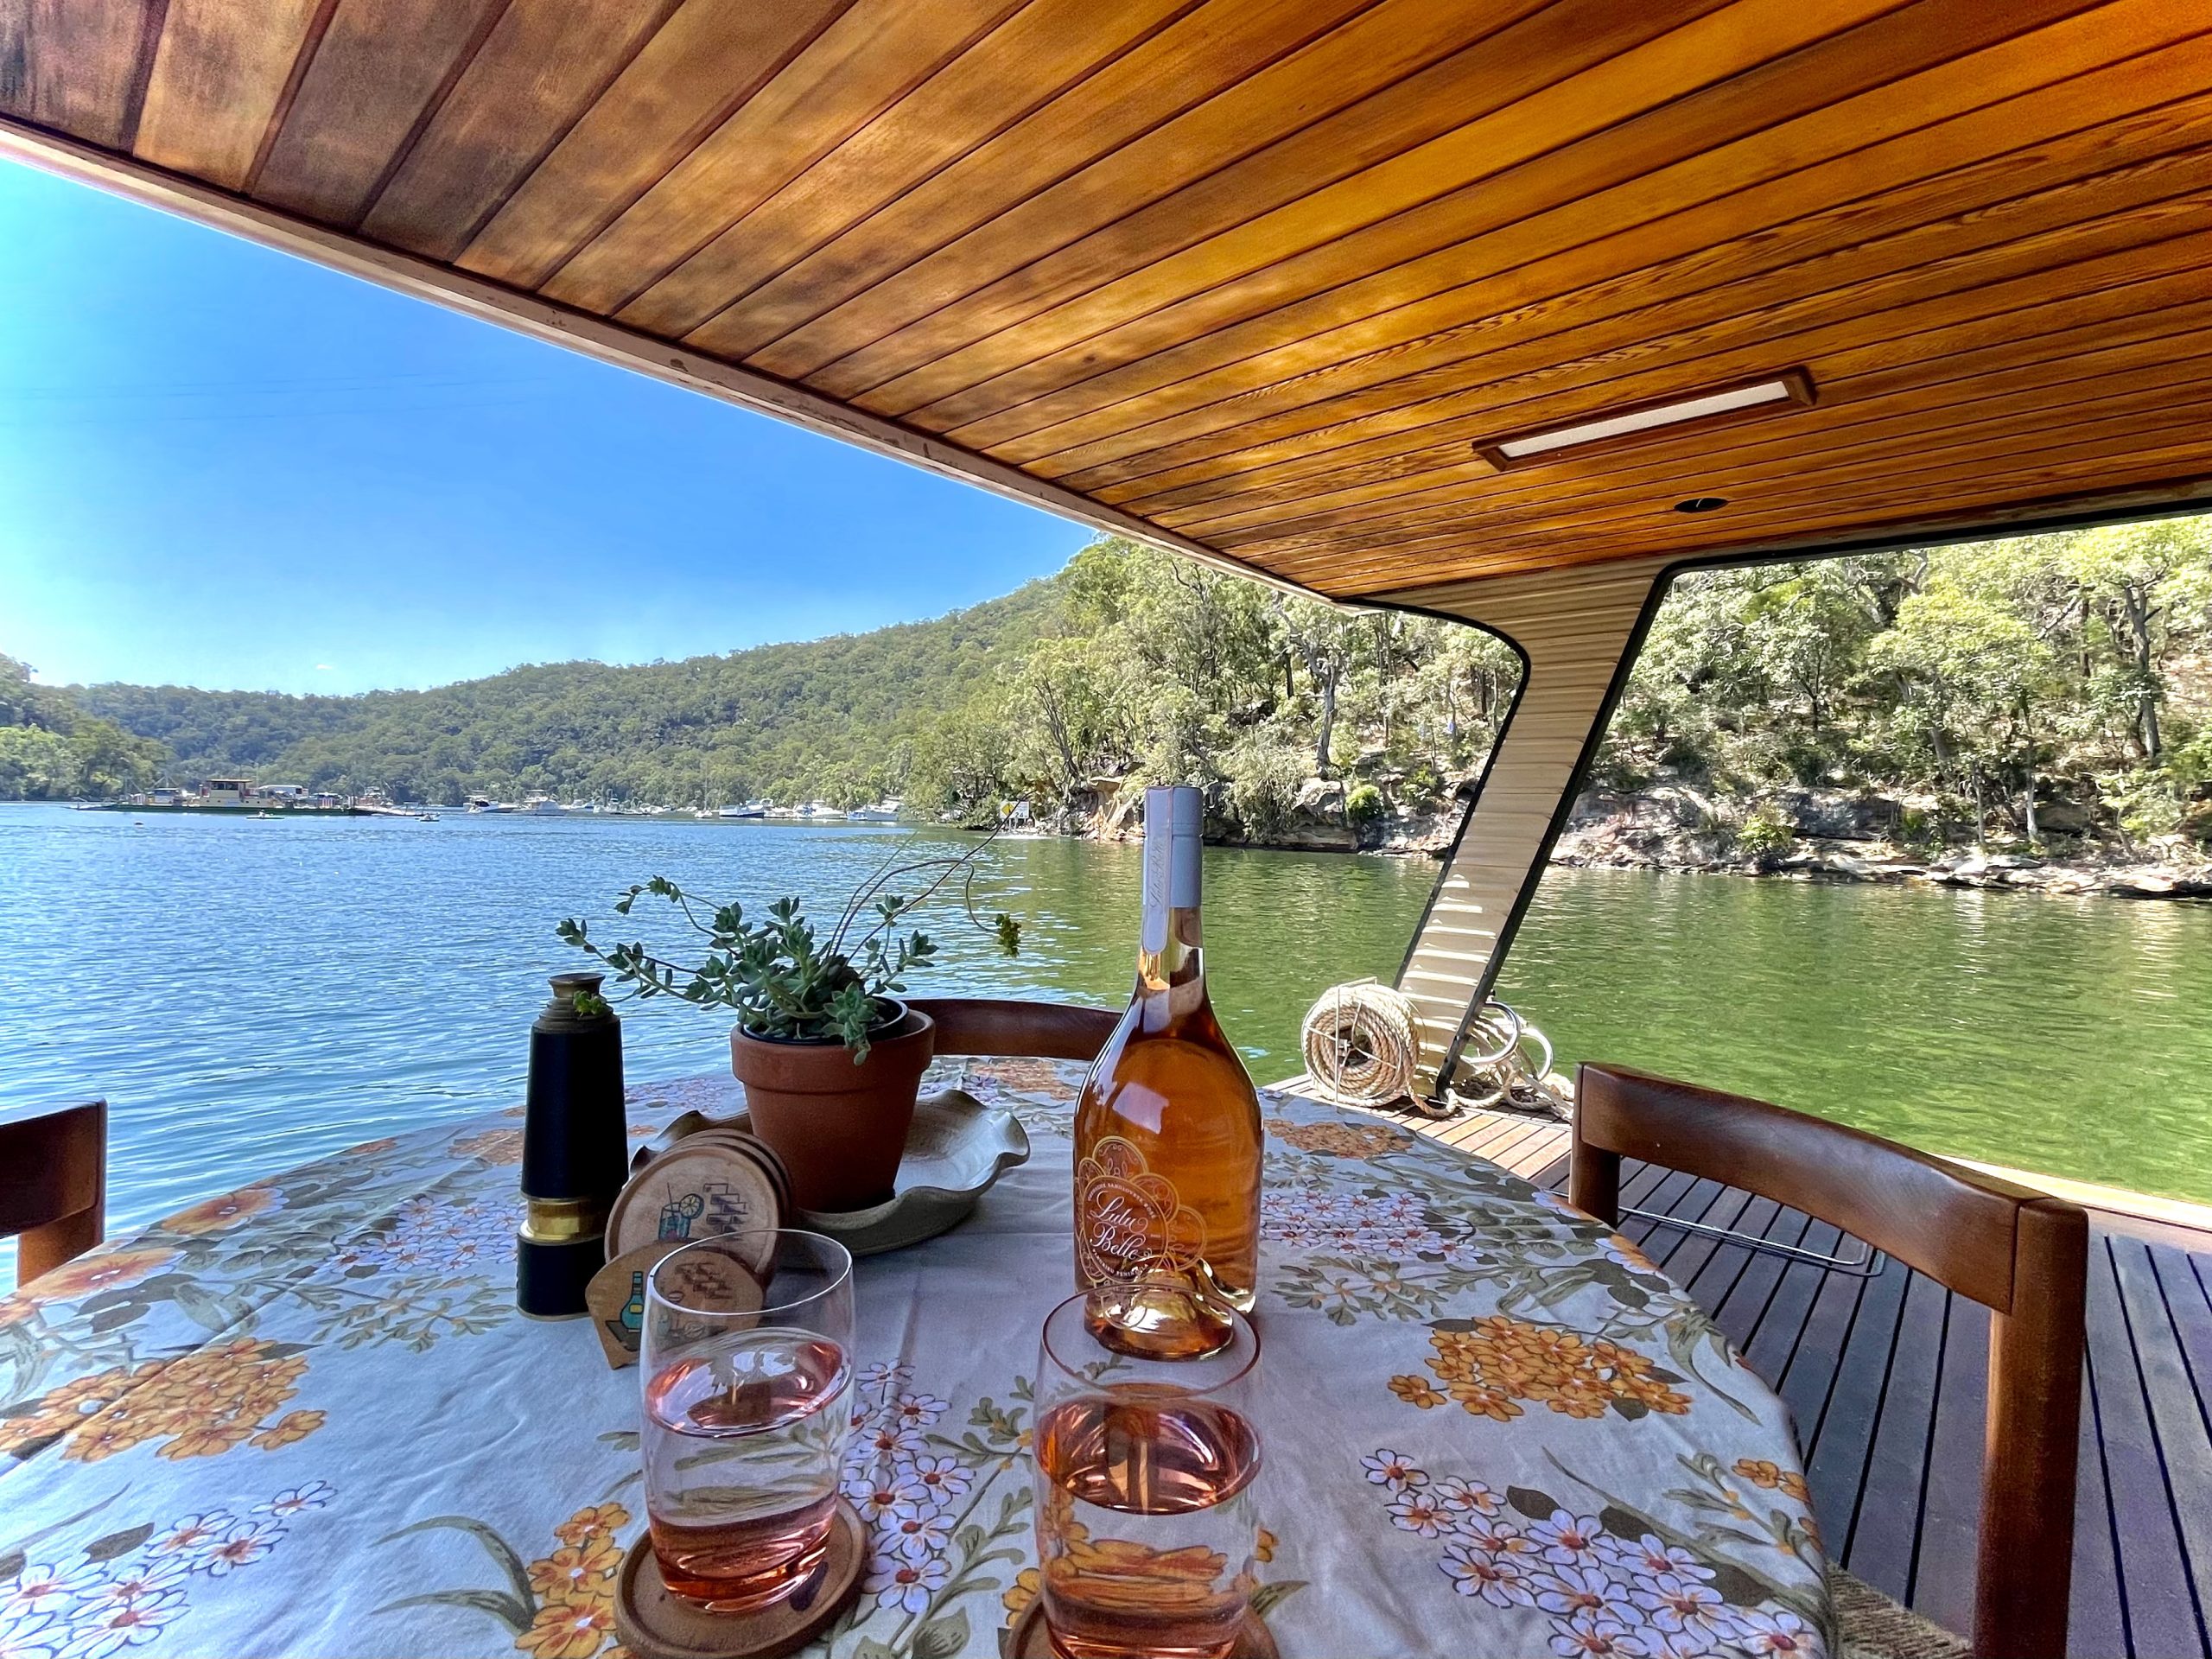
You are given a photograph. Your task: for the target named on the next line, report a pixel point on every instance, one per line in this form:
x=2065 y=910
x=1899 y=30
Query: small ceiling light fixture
x=1739 y=401
x=1702 y=504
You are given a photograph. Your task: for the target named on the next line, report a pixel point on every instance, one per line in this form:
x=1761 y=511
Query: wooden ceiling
x=1260 y=275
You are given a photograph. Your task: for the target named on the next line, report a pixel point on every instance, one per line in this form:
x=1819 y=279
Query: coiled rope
x=1363 y=1047
x=1361 y=1044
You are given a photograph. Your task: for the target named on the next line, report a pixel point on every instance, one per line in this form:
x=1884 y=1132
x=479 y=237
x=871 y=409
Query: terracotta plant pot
x=841 y=1127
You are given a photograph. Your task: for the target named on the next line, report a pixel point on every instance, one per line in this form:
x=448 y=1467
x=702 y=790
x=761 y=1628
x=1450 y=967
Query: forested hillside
x=2058 y=686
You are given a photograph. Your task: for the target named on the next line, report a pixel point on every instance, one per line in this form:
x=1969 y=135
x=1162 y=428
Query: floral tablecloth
x=304 y=1418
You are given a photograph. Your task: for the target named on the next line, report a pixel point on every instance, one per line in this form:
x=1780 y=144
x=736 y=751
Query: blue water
x=249 y=996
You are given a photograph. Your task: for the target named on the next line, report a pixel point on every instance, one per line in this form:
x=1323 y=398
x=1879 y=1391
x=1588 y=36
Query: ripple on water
x=249 y=996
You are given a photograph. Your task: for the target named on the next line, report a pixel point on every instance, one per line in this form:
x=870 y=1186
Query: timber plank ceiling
x=1264 y=274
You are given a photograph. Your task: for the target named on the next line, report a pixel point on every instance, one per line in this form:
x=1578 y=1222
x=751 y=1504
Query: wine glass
x=1147 y=1528
x=746 y=1360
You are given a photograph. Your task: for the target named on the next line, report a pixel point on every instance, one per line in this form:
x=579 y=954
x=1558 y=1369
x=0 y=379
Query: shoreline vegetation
x=2032 y=714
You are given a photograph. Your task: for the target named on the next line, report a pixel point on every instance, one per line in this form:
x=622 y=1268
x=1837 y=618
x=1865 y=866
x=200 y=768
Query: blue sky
x=223 y=466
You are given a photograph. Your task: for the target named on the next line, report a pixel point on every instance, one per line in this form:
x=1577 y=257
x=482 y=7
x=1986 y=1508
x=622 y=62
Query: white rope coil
x=1361 y=1044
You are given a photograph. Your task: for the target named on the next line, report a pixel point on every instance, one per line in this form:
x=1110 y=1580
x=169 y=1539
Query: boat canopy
x=1367 y=295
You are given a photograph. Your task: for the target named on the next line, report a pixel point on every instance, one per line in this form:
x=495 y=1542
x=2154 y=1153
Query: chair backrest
x=984 y=1026
x=2021 y=1254
x=54 y=1186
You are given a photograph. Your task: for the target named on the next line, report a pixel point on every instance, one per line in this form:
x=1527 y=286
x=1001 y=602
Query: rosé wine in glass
x=1146 y=1525
x=745 y=1414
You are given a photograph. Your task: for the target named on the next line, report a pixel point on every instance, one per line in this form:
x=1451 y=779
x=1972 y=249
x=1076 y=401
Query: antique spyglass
x=1147 y=1525
x=1168 y=1131
x=746 y=1379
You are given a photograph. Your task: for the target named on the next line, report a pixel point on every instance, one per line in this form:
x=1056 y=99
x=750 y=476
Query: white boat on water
x=750 y=810
x=881 y=812
x=486 y=803
x=544 y=806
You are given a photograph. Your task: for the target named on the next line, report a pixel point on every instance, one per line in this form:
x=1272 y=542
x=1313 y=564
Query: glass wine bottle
x=1167 y=1131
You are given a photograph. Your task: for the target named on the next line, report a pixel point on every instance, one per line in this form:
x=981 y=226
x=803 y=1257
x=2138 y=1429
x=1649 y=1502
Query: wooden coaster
x=1029 y=1639
x=655 y=1623
x=615 y=1299
x=695 y=1192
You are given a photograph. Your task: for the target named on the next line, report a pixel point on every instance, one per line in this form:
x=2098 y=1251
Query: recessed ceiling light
x=1727 y=403
x=1702 y=504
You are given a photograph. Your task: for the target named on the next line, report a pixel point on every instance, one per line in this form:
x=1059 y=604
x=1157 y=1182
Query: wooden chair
x=986 y=1026
x=2022 y=1255
x=54 y=1186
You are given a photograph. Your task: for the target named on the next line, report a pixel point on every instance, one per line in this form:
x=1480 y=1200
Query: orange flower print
x=1500 y=1362
x=574 y=1570
x=372 y=1148
x=564 y=1631
x=1019 y=1594
x=293 y=1425
x=102 y=1270
x=216 y=1215
x=1265 y=1552
x=1361 y=1140
x=575 y=1585
x=202 y=1404
x=1772 y=1477
x=579 y=1527
x=1416 y=1391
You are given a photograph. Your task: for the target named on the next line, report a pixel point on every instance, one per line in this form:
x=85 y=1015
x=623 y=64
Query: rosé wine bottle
x=1167 y=1131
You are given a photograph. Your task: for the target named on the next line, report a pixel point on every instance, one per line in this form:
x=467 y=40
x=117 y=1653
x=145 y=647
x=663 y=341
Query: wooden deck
x=1886 y=1377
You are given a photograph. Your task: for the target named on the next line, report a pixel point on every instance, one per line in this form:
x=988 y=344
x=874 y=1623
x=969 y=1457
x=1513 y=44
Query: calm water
x=248 y=995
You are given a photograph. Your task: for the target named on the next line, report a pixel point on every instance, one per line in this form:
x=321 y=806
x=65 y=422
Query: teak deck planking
x=1887 y=1378
x=1259 y=276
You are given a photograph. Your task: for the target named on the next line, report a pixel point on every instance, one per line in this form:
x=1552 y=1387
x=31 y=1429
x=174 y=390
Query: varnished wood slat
x=219 y=74
x=1934 y=439
x=377 y=71
x=1024 y=62
x=702 y=64
x=1474 y=114
x=1950 y=162
x=545 y=63
x=1866 y=422
x=2027 y=470
x=1565 y=388
x=1167 y=76
x=74 y=66
x=876 y=53
x=1969 y=209
x=1335 y=78
x=1606 y=173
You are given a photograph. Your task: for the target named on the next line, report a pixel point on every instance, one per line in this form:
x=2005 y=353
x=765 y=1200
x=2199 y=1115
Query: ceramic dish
x=956 y=1150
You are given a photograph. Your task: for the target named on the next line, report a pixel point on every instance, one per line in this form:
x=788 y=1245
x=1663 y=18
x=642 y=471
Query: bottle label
x=1130 y=1222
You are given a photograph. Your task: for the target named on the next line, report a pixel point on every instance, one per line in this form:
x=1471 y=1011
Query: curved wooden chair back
x=986 y=1026
x=54 y=1186
x=2022 y=1255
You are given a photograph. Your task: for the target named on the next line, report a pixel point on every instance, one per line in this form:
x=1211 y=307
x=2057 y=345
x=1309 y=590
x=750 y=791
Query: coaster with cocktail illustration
x=1030 y=1639
x=615 y=1298
x=702 y=1187
x=655 y=1623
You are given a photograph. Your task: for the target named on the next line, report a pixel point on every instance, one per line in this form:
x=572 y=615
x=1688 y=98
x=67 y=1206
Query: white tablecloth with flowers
x=304 y=1418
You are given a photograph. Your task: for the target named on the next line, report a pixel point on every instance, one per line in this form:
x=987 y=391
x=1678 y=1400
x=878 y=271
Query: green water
x=248 y=995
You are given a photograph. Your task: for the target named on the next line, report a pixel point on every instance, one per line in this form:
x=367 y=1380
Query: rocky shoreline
x=1800 y=835
x=1832 y=836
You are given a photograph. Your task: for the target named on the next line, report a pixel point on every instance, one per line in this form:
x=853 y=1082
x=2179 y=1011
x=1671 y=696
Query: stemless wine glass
x=747 y=1368
x=1146 y=1523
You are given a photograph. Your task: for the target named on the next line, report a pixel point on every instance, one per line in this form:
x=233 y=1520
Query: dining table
x=303 y=1417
